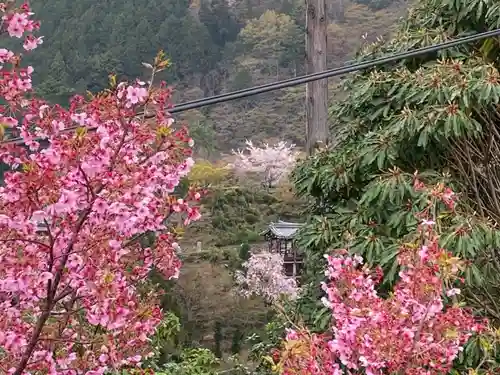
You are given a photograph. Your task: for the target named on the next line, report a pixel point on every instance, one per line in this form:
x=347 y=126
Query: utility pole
x=317 y=133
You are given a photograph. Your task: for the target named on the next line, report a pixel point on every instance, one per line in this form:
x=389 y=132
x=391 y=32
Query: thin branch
x=63 y=294
x=484 y=306
x=34 y=242
x=90 y=192
x=67 y=340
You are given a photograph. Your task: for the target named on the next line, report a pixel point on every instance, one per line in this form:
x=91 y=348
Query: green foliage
x=79 y=55
x=244 y=252
x=266 y=341
x=482 y=349
x=193 y=362
x=204 y=294
x=218 y=336
x=236 y=214
x=436 y=114
x=213 y=46
x=273 y=35
x=406 y=118
x=206 y=174
x=242 y=79
x=236 y=341
x=219 y=20
x=165 y=342
x=170 y=358
x=204 y=137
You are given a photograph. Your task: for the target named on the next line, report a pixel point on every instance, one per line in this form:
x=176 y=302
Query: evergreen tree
x=236 y=341
x=219 y=20
x=218 y=339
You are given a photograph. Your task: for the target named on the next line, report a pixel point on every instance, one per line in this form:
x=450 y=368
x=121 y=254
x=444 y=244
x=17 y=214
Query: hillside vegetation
x=214 y=47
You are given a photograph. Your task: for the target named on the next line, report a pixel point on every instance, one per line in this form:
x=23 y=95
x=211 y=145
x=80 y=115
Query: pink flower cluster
x=73 y=292
x=264 y=276
x=18 y=23
x=411 y=331
x=414 y=331
x=306 y=353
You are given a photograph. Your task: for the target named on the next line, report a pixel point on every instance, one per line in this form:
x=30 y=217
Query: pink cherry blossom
x=72 y=277
x=411 y=332
x=30 y=43
x=136 y=94
x=5 y=56
x=17 y=24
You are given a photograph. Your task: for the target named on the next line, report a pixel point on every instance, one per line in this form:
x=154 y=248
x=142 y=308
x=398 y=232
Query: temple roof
x=283 y=229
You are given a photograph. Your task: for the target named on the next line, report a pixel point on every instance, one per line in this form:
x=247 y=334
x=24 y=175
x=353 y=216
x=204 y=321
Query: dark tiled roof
x=283 y=229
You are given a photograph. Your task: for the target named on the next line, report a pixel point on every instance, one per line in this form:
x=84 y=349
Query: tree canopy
x=436 y=114
x=213 y=47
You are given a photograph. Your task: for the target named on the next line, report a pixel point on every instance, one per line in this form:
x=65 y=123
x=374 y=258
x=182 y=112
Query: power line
x=310 y=77
x=328 y=73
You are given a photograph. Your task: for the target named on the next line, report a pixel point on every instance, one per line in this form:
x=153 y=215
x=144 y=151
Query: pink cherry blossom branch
x=34 y=242
x=52 y=287
x=50 y=302
x=63 y=181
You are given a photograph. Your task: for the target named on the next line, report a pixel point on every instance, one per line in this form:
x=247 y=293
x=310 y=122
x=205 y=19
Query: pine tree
x=218 y=337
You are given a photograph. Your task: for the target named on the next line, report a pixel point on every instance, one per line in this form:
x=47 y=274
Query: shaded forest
x=214 y=46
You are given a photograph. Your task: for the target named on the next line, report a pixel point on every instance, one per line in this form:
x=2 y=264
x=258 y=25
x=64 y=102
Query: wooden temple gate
x=280 y=237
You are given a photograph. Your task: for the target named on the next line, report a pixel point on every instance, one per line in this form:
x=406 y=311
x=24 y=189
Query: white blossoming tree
x=272 y=163
x=263 y=275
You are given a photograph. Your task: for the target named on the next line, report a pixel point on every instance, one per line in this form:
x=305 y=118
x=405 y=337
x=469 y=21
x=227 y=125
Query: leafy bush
x=437 y=114
x=418 y=326
x=193 y=362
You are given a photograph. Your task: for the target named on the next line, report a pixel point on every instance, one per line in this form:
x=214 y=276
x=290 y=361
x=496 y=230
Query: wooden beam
x=317 y=134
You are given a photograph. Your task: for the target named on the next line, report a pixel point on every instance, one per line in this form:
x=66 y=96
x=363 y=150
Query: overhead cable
x=312 y=77
x=329 y=73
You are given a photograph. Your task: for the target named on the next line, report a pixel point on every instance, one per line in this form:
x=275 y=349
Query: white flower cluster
x=264 y=276
x=272 y=162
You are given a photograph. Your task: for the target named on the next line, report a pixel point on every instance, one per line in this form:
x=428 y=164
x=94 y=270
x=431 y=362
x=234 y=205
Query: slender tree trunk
x=338 y=9
x=317 y=133
x=341 y=14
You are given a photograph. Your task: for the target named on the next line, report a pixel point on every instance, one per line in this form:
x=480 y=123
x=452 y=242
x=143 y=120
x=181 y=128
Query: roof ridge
x=283 y=229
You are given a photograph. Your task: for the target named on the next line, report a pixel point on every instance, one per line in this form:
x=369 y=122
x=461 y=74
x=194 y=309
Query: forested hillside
x=127 y=248
x=214 y=46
